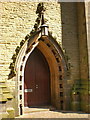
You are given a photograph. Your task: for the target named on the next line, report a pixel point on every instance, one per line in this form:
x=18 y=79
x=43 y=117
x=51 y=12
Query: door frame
x=55 y=58
x=39 y=55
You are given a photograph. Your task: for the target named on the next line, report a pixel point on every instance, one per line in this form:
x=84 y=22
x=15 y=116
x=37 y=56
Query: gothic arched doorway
x=48 y=50
x=36 y=80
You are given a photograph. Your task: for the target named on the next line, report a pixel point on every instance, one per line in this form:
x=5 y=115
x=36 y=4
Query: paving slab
x=30 y=110
x=47 y=114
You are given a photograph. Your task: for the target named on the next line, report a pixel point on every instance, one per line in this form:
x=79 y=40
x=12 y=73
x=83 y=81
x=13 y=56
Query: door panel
x=36 y=80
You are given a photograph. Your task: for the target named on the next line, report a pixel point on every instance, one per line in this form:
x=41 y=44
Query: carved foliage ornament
x=39 y=10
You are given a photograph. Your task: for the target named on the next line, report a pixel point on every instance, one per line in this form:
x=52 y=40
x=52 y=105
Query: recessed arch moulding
x=57 y=65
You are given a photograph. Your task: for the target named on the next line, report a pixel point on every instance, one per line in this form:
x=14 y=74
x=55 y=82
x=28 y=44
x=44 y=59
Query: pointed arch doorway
x=48 y=56
x=37 y=80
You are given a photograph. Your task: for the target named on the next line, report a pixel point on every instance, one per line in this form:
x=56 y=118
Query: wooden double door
x=36 y=80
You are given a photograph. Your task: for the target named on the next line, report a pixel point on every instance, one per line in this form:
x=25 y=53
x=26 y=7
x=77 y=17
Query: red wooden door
x=36 y=80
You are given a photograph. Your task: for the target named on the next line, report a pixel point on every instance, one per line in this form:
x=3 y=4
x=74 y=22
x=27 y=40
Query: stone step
x=38 y=109
x=30 y=110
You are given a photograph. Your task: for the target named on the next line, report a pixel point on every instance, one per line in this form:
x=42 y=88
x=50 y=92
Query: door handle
x=36 y=86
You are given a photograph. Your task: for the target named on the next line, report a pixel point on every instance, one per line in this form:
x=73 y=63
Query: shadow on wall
x=70 y=44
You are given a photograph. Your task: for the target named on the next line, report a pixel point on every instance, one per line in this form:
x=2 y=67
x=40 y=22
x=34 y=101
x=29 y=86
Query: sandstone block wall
x=16 y=21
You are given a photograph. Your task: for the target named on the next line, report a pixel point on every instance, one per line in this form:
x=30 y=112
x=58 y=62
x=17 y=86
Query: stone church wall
x=71 y=44
x=17 y=20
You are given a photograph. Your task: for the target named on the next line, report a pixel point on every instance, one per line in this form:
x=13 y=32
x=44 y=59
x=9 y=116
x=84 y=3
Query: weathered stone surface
x=17 y=20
